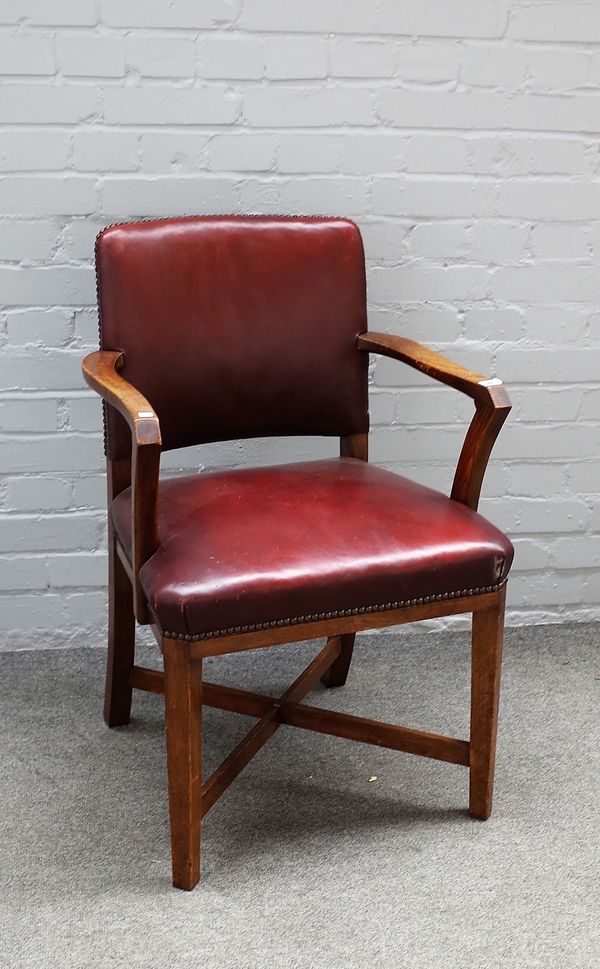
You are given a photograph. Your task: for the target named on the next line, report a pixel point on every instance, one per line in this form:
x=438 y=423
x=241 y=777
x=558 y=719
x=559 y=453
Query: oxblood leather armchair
x=231 y=327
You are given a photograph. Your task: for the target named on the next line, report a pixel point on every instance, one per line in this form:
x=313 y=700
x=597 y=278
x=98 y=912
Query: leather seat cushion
x=255 y=547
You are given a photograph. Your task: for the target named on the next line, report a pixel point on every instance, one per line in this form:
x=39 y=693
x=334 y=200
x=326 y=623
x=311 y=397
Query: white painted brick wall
x=463 y=138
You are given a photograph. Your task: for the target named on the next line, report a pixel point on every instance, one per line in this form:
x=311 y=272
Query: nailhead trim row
x=340 y=613
x=97 y=272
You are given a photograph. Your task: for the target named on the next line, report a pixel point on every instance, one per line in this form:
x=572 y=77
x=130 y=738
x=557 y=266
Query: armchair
x=219 y=328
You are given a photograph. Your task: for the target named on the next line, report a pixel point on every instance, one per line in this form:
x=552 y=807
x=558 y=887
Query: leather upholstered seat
x=255 y=548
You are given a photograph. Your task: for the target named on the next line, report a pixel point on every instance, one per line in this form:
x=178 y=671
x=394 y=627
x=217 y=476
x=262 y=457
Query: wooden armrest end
x=101 y=373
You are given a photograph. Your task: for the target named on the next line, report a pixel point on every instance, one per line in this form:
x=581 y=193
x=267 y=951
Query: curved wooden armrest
x=492 y=406
x=100 y=370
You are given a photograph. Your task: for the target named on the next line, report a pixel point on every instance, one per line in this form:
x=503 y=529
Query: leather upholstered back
x=237 y=326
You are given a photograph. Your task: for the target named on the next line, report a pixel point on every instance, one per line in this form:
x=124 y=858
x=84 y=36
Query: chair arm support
x=492 y=406
x=100 y=370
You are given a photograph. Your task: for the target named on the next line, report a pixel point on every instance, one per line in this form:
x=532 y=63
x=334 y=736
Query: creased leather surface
x=237 y=326
x=250 y=546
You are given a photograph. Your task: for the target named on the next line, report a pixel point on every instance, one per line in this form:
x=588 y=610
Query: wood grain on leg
x=121 y=643
x=488 y=634
x=337 y=673
x=121 y=620
x=183 y=715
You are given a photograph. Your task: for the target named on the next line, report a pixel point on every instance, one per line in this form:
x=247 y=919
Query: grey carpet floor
x=307 y=863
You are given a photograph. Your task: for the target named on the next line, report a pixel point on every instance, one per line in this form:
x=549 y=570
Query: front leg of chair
x=121 y=640
x=183 y=719
x=337 y=673
x=486 y=658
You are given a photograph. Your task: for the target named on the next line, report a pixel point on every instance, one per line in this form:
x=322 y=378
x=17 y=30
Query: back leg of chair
x=337 y=673
x=121 y=641
x=488 y=634
x=183 y=723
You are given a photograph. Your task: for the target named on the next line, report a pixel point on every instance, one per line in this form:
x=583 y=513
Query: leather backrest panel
x=237 y=326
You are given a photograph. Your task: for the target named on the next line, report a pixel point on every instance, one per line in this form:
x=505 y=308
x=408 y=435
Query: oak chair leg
x=337 y=673
x=488 y=634
x=183 y=718
x=121 y=641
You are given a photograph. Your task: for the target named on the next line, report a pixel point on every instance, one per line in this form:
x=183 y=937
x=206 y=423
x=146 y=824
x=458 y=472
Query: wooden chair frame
x=182 y=684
